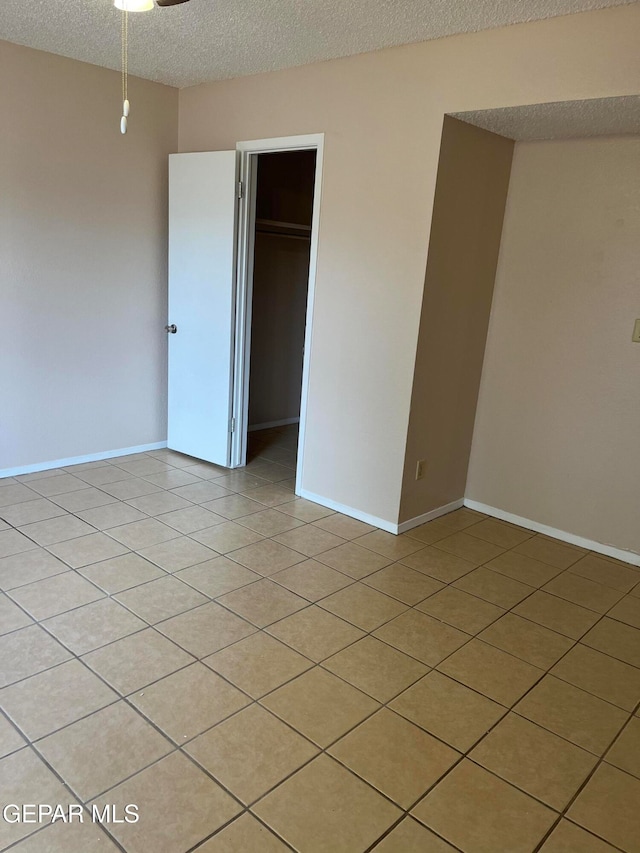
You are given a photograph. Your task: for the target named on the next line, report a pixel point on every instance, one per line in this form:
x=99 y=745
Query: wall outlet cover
x=636 y=332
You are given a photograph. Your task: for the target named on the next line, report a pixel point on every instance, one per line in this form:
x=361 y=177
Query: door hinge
x=232 y=425
x=240 y=189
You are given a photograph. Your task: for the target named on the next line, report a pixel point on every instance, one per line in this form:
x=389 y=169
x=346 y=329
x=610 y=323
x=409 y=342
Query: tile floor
x=257 y=673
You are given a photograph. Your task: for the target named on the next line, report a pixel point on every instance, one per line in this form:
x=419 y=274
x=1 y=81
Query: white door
x=202 y=248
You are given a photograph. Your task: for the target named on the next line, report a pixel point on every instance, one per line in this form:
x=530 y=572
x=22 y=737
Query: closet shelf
x=286 y=229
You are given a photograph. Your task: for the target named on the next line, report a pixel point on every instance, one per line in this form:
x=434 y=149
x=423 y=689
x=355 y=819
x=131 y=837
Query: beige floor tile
x=121 y=573
x=28 y=651
x=310 y=540
x=422 y=637
x=204 y=470
x=375 y=668
x=324 y=807
x=217 y=576
x=55 y=595
x=190 y=520
x=469 y=548
x=269 y=471
x=56 y=529
x=627 y=610
x=362 y=606
x=258 y=664
x=84 y=500
x=178 y=554
x=586 y=593
x=131 y=487
x=524 y=569
x=93 y=548
x=125 y=742
x=432 y=531
x=449 y=710
x=312 y=580
x=403 y=583
x=31 y=511
x=233 y=506
x=393 y=547
x=102 y=476
x=320 y=706
x=87 y=628
x=478 y=812
x=21 y=569
x=71 y=837
x=266 y=557
x=461 y=519
x=10 y=739
x=142 y=534
x=14 y=493
x=25 y=778
x=172 y=479
x=343 y=526
x=490 y=671
x=13 y=542
x=559 y=615
x=409 y=836
x=272 y=495
x=616 y=639
x=228 y=536
x=622 y=578
x=579 y=717
x=189 y=701
x=534 y=760
x=137 y=660
x=493 y=587
x=269 y=522
x=114 y=514
x=61 y=484
x=602 y=675
x=526 y=640
x=354 y=561
x=244 y=834
x=625 y=752
x=160 y=599
x=396 y=757
x=438 y=564
x=251 y=752
x=263 y=602
x=499 y=532
x=550 y=551
x=11 y=616
x=569 y=838
x=140 y=466
x=608 y=806
x=206 y=630
x=238 y=481
x=158 y=503
x=179 y=803
x=315 y=633
x=303 y=510
x=463 y=611
x=54 y=698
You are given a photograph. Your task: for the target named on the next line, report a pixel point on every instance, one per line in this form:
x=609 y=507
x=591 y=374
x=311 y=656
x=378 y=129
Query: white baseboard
x=607 y=550
x=382 y=523
x=272 y=424
x=78 y=460
x=429 y=516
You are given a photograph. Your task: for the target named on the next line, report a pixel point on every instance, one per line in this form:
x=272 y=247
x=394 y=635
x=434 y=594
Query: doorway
x=276 y=272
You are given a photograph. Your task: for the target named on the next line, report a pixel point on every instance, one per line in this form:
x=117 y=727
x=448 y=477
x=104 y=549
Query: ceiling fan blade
x=170 y=2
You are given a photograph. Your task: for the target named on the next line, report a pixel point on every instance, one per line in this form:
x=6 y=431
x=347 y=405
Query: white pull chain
x=126 y=107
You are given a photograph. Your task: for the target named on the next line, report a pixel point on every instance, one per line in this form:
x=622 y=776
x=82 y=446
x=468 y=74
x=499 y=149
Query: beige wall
x=82 y=259
x=471 y=192
x=382 y=115
x=558 y=425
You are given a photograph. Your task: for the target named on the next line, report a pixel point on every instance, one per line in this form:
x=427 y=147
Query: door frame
x=248 y=154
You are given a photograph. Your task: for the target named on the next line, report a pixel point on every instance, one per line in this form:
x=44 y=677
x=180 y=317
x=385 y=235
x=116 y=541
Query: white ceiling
x=561 y=120
x=216 y=39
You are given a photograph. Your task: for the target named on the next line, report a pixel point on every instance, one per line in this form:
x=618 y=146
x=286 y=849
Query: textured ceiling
x=215 y=39
x=561 y=120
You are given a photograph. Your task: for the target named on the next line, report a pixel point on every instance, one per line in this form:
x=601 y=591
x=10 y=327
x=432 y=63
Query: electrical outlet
x=421 y=468
x=636 y=333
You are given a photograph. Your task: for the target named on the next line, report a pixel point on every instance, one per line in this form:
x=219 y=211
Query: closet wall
x=281 y=274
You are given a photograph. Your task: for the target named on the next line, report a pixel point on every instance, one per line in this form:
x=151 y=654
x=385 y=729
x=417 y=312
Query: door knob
x=172 y=329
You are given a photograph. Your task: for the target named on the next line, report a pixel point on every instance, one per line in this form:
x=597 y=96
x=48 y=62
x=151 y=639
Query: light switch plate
x=636 y=333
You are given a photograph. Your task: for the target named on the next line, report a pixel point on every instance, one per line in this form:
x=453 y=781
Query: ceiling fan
x=127 y=6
